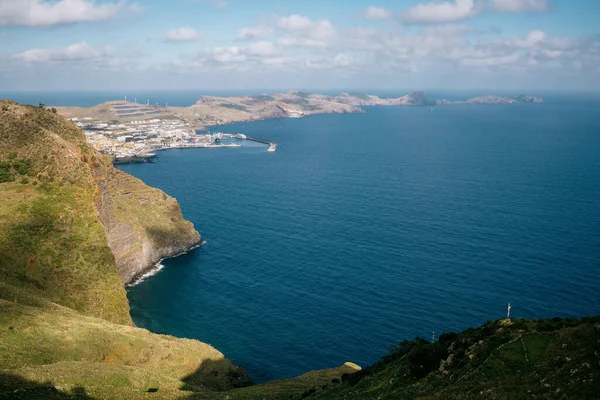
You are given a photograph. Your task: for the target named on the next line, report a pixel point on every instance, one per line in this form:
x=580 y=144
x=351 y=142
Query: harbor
x=144 y=154
x=272 y=145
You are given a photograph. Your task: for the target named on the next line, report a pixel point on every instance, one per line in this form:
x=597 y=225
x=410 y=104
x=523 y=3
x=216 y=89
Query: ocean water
x=363 y=230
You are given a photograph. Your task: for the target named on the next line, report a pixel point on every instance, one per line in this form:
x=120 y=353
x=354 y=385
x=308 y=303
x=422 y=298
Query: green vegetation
x=507 y=359
x=65 y=329
x=51 y=241
x=8 y=169
x=6 y=174
x=45 y=342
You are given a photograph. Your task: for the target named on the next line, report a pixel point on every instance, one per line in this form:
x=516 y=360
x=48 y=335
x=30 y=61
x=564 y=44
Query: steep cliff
x=52 y=242
x=142 y=224
x=64 y=314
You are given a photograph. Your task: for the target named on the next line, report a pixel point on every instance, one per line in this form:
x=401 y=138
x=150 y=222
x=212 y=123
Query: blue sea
x=363 y=230
x=366 y=229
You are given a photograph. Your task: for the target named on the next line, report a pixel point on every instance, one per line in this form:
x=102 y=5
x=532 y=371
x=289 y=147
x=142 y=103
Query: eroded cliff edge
x=64 y=314
x=143 y=224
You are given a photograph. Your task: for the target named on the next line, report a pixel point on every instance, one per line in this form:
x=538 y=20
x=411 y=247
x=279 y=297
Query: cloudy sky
x=308 y=44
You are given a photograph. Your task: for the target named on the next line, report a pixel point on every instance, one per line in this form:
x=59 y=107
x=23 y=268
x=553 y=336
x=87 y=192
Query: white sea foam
x=159 y=266
x=153 y=271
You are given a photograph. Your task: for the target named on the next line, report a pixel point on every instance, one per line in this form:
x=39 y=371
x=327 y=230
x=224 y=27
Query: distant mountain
x=493 y=99
x=214 y=110
x=529 y=99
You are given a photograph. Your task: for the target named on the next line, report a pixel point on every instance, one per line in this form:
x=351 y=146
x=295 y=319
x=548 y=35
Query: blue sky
x=311 y=44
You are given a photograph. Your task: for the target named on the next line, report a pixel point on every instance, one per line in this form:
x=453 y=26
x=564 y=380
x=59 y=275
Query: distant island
x=212 y=110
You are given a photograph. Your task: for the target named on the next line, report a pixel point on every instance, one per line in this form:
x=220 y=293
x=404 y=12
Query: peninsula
x=211 y=110
x=132 y=132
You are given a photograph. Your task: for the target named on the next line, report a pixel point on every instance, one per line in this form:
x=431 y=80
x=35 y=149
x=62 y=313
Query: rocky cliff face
x=143 y=225
x=64 y=209
x=72 y=229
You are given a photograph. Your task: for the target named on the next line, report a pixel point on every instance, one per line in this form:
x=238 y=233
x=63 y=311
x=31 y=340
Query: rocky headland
x=73 y=231
x=143 y=225
x=213 y=110
x=493 y=99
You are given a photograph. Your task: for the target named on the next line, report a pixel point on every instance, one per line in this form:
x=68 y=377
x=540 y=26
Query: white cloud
x=184 y=34
x=262 y=48
x=535 y=36
x=254 y=32
x=61 y=12
x=370 y=53
x=294 y=22
x=520 y=5
x=229 y=54
x=436 y=11
x=75 y=52
x=449 y=30
x=304 y=32
x=376 y=13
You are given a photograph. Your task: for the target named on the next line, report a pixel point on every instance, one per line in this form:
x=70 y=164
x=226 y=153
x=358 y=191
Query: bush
x=426 y=358
x=12 y=155
x=24 y=181
x=448 y=338
x=22 y=166
x=5 y=172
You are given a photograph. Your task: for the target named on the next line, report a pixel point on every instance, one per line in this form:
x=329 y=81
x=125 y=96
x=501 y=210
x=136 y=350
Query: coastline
x=157 y=266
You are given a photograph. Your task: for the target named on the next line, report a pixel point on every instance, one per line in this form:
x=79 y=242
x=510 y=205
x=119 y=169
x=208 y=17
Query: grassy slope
x=49 y=350
x=44 y=342
x=65 y=330
x=51 y=241
x=60 y=295
x=543 y=359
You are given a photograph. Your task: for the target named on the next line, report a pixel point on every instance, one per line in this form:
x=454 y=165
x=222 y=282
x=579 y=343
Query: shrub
x=12 y=155
x=5 y=172
x=448 y=337
x=426 y=358
x=22 y=166
x=24 y=180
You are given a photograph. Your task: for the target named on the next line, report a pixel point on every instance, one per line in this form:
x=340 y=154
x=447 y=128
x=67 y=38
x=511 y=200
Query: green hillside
x=52 y=243
x=65 y=329
x=506 y=359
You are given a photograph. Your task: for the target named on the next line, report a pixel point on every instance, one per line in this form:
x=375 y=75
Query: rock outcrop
x=143 y=225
